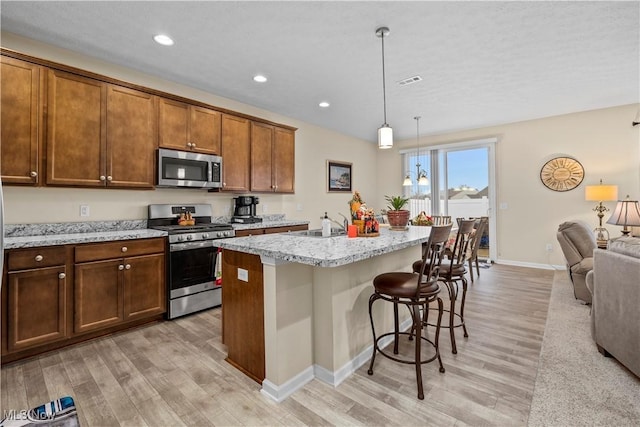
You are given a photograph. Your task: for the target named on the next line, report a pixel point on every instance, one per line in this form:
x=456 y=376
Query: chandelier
x=422 y=174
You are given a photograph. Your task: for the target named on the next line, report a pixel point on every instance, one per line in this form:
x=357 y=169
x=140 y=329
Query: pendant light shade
x=385 y=136
x=407 y=181
x=385 y=132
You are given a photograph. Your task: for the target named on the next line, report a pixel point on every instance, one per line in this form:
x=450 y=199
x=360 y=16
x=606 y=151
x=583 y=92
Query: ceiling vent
x=410 y=80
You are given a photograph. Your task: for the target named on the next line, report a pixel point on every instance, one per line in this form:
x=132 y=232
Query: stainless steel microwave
x=187 y=169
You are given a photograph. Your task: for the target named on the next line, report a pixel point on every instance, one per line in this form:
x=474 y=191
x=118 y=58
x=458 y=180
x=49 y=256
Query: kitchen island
x=295 y=307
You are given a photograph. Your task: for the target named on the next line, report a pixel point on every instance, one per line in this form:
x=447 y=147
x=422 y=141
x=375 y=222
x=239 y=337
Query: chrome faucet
x=344 y=225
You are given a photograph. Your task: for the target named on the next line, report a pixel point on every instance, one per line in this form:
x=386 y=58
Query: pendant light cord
x=384 y=87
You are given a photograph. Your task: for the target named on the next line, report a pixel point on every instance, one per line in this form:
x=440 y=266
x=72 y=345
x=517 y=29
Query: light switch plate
x=84 y=210
x=243 y=275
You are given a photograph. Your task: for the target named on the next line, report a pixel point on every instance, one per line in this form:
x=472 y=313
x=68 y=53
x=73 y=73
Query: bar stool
x=415 y=291
x=451 y=272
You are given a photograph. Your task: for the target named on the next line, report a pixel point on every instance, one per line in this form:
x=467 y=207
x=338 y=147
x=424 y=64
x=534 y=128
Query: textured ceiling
x=482 y=63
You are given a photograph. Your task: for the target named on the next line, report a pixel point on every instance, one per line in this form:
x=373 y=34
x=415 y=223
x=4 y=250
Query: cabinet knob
x=189 y=144
x=39 y=258
x=33 y=174
x=193 y=145
x=102 y=177
x=124 y=249
x=127 y=267
x=121 y=267
x=109 y=178
x=61 y=276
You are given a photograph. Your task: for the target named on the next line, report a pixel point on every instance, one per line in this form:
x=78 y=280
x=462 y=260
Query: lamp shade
x=627 y=213
x=407 y=181
x=385 y=136
x=601 y=193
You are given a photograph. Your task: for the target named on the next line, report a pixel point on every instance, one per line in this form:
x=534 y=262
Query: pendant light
x=422 y=175
x=385 y=132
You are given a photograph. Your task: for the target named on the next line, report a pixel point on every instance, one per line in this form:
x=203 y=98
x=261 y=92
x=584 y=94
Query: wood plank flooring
x=173 y=373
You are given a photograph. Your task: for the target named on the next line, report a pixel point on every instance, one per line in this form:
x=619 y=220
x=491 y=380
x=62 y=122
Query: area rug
x=575 y=384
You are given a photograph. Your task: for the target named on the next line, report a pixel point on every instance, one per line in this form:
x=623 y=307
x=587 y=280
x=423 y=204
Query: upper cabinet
x=62 y=126
x=189 y=127
x=99 y=134
x=235 y=153
x=21 y=116
x=272 y=158
x=132 y=137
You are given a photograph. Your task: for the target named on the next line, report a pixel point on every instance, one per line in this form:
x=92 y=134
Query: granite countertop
x=66 y=233
x=38 y=235
x=326 y=251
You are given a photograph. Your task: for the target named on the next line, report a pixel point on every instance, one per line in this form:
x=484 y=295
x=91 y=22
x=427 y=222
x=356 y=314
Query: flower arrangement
x=362 y=215
x=422 y=219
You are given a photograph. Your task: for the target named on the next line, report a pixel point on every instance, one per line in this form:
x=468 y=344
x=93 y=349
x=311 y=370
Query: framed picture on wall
x=338 y=177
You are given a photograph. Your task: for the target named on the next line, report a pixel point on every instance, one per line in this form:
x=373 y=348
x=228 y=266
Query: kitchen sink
x=318 y=232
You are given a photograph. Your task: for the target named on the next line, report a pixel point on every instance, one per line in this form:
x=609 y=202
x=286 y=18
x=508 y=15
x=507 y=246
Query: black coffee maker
x=245 y=209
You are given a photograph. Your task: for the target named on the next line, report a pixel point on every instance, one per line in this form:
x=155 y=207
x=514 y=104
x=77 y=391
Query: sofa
x=614 y=283
x=577 y=242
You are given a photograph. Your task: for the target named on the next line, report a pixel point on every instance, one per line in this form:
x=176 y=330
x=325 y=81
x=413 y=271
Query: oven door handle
x=176 y=247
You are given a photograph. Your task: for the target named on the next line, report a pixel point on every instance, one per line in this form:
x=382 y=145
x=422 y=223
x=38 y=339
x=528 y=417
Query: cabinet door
x=76 y=143
x=20 y=115
x=204 y=130
x=284 y=160
x=98 y=295
x=261 y=157
x=235 y=153
x=132 y=135
x=36 y=307
x=173 y=124
x=144 y=289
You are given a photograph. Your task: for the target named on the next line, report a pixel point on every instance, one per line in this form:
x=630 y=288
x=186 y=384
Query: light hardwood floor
x=173 y=373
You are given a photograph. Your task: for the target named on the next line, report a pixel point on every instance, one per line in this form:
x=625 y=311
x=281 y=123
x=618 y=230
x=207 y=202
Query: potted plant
x=398 y=217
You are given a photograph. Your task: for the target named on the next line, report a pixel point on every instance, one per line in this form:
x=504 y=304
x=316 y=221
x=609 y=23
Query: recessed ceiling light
x=324 y=104
x=163 y=39
x=259 y=78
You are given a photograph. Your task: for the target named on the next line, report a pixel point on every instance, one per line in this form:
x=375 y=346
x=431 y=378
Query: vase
x=398 y=220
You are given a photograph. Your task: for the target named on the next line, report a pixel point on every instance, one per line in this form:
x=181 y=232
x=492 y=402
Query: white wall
x=602 y=140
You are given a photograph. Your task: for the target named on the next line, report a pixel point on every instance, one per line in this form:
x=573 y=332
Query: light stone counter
x=326 y=251
x=37 y=235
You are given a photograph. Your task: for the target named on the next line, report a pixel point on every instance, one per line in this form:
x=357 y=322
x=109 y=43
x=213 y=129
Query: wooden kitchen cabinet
x=132 y=138
x=117 y=282
x=236 y=151
x=99 y=134
x=270 y=230
x=21 y=117
x=243 y=314
x=189 y=127
x=272 y=158
x=35 y=299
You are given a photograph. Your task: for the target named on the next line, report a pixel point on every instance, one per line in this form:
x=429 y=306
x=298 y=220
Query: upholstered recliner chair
x=578 y=242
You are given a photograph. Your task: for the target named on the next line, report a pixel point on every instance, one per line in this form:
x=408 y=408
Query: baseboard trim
x=280 y=393
x=530 y=264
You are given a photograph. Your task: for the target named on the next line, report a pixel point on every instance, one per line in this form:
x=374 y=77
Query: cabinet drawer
x=119 y=249
x=35 y=258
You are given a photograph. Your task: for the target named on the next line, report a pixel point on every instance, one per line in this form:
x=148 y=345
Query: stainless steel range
x=193 y=270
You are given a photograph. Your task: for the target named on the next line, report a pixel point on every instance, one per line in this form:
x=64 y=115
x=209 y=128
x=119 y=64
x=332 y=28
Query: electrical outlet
x=243 y=274
x=84 y=210
x=265 y=208
x=549 y=247
x=299 y=207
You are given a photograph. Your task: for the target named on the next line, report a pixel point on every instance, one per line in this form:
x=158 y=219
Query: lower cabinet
x=36 y=310
x=111 y=289
x=270 y=230
x=61 y=295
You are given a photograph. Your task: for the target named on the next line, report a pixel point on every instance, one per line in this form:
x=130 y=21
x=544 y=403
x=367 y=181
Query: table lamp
x=601 y=193
x=627 y=213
